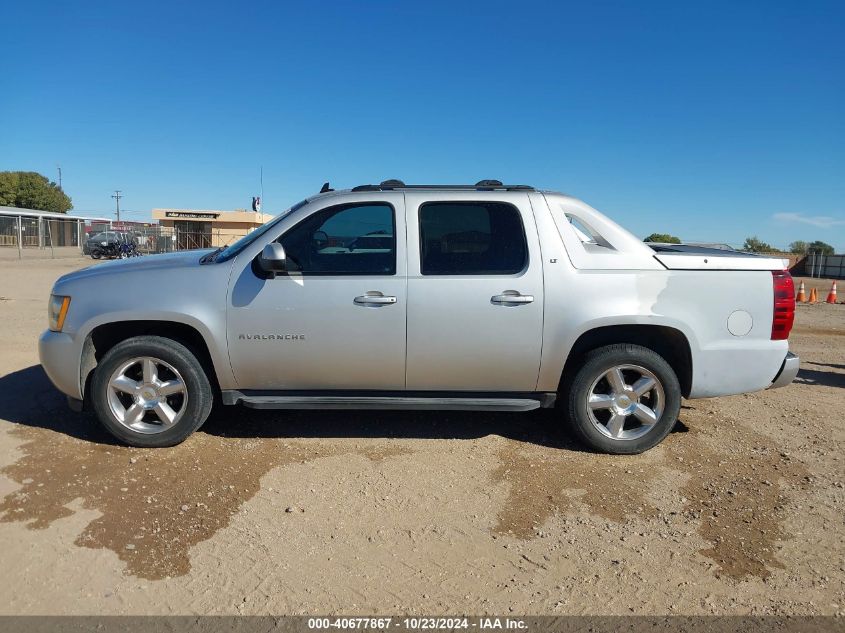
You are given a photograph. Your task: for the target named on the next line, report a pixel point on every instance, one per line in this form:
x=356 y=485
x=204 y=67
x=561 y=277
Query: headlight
x=57 y=311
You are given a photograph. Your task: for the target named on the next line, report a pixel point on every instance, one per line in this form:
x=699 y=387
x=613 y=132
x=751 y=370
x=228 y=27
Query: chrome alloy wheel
x=625 y=402
x=147 y=395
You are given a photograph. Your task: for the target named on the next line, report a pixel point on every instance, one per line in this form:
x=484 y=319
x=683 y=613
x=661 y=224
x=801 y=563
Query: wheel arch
x=669 y=342
x=106 y=335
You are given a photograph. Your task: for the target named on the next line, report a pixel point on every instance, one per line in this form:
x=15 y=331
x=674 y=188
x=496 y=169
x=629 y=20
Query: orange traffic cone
x=813 y=297
x=802 y=294
x=831 y=296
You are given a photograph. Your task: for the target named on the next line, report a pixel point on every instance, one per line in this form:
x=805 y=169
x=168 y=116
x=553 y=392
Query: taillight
x=784 y=313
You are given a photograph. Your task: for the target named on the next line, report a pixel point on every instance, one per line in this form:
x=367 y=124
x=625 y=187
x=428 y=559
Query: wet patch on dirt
x=155 y=503
x=545 y=481
x=738 y=488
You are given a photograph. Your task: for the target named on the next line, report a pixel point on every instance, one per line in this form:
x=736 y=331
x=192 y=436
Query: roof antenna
x=326 y=188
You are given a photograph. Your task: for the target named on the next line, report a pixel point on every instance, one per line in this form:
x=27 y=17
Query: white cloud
x=821 y=221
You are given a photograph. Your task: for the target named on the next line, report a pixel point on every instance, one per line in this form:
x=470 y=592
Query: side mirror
x=273 y=259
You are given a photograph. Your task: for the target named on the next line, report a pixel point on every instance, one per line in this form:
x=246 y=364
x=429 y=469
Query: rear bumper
x=787 y=372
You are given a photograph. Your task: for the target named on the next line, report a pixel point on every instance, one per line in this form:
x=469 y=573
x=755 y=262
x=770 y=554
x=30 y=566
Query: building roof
x=34 y=213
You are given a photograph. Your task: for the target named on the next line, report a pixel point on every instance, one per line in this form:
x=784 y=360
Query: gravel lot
x=740 y=511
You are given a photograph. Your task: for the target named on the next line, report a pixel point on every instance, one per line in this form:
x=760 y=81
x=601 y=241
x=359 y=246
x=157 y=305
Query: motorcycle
x=110 y=250
x=128 y=249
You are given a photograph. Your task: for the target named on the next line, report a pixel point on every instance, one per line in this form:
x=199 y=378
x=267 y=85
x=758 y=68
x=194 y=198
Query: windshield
x=233 y=249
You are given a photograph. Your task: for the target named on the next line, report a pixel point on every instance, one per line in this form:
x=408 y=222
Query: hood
x=178 y=260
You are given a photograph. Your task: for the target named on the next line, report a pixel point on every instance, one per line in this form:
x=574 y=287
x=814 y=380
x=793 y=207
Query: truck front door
x=336 y=320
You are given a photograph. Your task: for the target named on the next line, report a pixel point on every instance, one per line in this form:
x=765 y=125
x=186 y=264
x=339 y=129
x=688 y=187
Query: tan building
x=203 y=228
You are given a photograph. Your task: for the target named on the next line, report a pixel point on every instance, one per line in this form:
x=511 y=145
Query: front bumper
x=60 y=359
x=788 y=371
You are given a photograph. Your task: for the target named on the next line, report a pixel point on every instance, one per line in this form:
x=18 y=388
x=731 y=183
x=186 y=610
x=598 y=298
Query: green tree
x=756 y=245
x=663 y=238
x=799 y=247
x=8 y=188
x=820 y=247
x=30 y=190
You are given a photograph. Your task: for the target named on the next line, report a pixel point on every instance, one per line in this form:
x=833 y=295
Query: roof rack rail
x=481 y=185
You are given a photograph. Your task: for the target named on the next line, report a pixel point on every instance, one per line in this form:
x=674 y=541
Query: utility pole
x=59 y=167
x=117 y=196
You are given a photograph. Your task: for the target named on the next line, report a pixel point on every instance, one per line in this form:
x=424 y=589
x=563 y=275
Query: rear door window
x=471 y=238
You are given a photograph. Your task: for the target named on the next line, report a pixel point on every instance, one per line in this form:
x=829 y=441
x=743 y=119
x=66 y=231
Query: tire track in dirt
x=155 y=503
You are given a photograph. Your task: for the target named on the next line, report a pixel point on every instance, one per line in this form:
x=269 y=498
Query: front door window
x=344 y=240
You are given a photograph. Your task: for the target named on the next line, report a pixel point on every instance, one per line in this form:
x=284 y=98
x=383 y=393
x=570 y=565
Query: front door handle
x=511 y=298
x=374 y=298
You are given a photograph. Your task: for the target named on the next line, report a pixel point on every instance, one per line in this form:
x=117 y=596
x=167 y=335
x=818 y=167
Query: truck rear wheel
x=151 y=391
x=624 y=399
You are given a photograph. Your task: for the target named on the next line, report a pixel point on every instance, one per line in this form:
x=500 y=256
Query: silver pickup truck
x=478 y=297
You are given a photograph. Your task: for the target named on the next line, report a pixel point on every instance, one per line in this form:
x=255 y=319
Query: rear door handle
x=511 y=297
x=374 y=298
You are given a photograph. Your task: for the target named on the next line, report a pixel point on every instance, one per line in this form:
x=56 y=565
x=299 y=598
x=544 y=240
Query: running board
x=430 y=403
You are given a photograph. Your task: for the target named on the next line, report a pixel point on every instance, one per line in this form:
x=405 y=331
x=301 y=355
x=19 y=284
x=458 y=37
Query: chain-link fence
x=20 y=231
x=8 y=231
x=148 y=238
x=153 y=238
x=69 y=237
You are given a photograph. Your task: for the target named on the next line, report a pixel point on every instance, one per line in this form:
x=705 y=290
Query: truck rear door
x=475 y=292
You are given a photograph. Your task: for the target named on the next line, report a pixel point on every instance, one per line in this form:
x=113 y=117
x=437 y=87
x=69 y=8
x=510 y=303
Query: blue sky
x=712 y=121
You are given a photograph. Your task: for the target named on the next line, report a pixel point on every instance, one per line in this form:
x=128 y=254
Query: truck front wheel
x=151 y=391
x=624 y=399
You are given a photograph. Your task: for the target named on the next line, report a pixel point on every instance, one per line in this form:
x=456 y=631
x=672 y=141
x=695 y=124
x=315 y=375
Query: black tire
x=96 y=253
x=199 y=393
x=596 y=364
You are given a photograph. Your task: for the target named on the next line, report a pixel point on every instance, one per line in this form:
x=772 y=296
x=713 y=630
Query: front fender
x=211 y=326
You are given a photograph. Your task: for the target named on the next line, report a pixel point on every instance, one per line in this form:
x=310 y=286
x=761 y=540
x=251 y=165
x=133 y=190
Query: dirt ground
x=740 y=511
